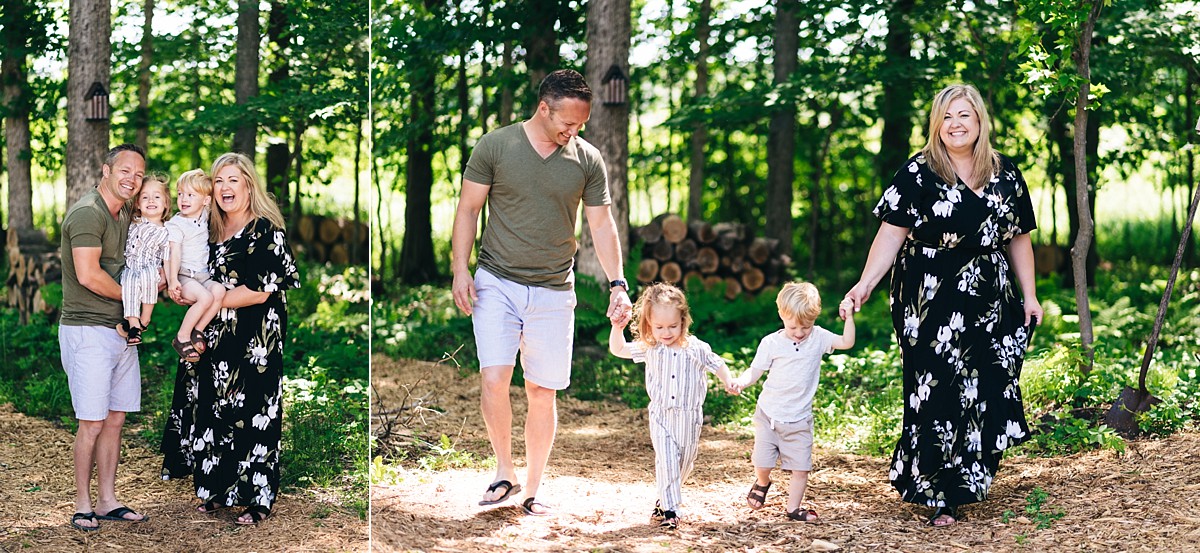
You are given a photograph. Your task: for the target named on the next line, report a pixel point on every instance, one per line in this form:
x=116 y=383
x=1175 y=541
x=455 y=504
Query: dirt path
x=37 y=499
x=601 y=482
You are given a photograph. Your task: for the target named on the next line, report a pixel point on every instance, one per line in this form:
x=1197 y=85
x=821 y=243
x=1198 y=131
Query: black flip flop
x=75 y=518
x=510 y=489
x=257 y=513
x=528 y=504
x=949 y=511
x=119 y=513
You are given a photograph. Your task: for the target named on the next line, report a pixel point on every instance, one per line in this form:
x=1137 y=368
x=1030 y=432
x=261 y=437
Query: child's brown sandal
x=198 y=341
x=803 y=515
x=187 y=351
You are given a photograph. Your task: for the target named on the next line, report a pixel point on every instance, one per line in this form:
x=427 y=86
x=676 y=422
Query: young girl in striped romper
x=676 y=380
x=145 y=252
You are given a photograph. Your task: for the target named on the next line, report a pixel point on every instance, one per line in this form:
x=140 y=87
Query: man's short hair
x=111 y=156
x=564 y=83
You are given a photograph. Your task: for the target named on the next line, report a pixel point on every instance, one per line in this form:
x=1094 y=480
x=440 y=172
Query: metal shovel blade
x=1121 y=417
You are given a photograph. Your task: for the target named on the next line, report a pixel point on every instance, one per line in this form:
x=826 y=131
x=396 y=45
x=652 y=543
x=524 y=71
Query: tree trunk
x=896 y=101
x=141 y=118
x=699 y=138
x=417 y=262
x=246 y=76
x=1083 y=240
x=278 y=157
x=781 y=141
x=506 y=85
x=609 y=25
x=298 y=163
x=17 y=98
x=89 y=60
x=541 y=42
x=355 y=239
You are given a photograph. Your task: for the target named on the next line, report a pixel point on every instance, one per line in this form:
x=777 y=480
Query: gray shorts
x=102 y=372
x=790 y=443
x=539 y=322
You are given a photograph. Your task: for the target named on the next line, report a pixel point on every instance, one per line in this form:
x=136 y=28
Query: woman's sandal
x=803 y=515
x=198 y=341
x=757 y=493
x=187 y=352
x=947 y=511
x=257 y=513
x=210 y=506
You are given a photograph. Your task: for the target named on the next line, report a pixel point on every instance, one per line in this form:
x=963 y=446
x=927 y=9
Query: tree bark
x=781 y=134
x=417 y=263
x=89 y=60
x=609 y=24
x=699 y=138
x=246 y=76
x=541 y=42
x=141 y=118
x=896 y=101
x=1083 y=239
x=16 y=123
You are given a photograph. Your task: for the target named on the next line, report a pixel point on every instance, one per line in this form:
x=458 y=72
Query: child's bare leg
x=147 y=310
x=796 y=487
x=193 y=290
x=217 y=291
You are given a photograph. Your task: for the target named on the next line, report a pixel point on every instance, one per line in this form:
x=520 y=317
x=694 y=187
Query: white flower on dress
x=208 y=465
x=258 y=454
x=259 y=479
x=912 y=167
x=891 y=197
x=897 y=469
x=260 y=421
x=970 y=391
x=929 y=285
x=202 y=492
x=943 y=208
x=271 y=283
x=974 y=440
x=956 y=322
x=258 y=353
x=922 y=392
x=944 y=334
x=911 y=323
x=1013 y=428
x=950 y=239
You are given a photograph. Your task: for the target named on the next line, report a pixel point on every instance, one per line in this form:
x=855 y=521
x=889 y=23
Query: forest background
x=789 y=118
x=284 y=82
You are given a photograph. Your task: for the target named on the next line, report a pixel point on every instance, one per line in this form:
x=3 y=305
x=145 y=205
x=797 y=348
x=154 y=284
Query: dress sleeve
x=270 y=260
x=1026 y=220
x=637 y=351
x=898 y=206
x=709 y=359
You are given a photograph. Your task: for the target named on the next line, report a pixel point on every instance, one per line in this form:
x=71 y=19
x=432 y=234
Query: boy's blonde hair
x=161 y=178
x=659 y=294
x=800 y=302
x=197 y=180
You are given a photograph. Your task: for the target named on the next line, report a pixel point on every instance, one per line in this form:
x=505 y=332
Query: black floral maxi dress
x=960 y=322
x=225 y=424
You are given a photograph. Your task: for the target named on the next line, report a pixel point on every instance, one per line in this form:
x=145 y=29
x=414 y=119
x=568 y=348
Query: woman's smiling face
x=229 y=190
x=960 y=126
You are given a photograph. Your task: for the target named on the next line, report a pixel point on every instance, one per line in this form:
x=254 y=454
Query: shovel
x=1121 y=416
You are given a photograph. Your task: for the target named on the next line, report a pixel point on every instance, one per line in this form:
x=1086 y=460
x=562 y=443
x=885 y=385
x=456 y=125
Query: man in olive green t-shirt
x=102 y=370
x=533 y=176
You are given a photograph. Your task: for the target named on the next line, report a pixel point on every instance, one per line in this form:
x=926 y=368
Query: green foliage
x=423 y=323
x=1034 y=504
x=444 y=456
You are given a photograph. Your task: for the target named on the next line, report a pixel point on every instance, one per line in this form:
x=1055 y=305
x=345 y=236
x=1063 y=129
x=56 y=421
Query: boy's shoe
x=803 y=515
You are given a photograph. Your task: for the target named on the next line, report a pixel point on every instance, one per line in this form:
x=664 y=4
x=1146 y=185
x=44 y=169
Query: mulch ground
x=37 y=493
x=601 y=483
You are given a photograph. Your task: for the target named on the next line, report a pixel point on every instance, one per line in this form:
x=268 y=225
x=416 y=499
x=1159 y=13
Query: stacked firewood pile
x=32 y=263
x=686 y=253
x=330 y=240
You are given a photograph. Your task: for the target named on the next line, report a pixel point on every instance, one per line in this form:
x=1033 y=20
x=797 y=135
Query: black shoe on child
x=670 y=520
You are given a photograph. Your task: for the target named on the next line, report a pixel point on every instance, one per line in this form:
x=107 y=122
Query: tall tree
x=141 y=118
x=89 y=60
x=699 y=139
x=781 y=135
x=1083 y=240
x=417 y=262
x=896 y=101
x=24 y=28
x=246 y=76
x=609 y=24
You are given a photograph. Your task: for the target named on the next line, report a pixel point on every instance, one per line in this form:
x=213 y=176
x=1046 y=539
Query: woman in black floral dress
x=224 y=428
x=955 y=231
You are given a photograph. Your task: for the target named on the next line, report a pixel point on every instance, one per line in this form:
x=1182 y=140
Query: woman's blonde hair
x=800 y=302
x=660 y=294
x=161 y=178
x=984 y=159
x=262 y=204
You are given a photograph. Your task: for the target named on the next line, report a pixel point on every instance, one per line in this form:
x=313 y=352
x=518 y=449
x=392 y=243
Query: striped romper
x=677 y=384
x=144 y=254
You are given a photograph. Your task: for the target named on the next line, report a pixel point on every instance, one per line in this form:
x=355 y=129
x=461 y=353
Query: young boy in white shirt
x=783 y=421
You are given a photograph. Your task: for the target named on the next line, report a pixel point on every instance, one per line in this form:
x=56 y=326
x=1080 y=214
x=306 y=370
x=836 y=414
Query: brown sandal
x=198 y=341
x=757 y=494
x=187 y=351
x=803 y=515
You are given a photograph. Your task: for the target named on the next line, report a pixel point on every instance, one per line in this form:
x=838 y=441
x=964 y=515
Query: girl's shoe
x=131 y=334
x=670 y=520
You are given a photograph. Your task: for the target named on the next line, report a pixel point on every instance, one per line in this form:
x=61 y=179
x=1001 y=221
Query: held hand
x=464 y=292
x=732 y=387
x=856 y=297
x=619 y=306
x=622 y=320
x=176 y=292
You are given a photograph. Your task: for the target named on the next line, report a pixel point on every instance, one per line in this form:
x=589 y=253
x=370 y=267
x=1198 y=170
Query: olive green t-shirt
x=533 y=204
x=89 y=224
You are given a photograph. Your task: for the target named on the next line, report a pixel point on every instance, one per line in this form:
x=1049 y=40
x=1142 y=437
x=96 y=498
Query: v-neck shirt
x=533 y=204
x=89 y=224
